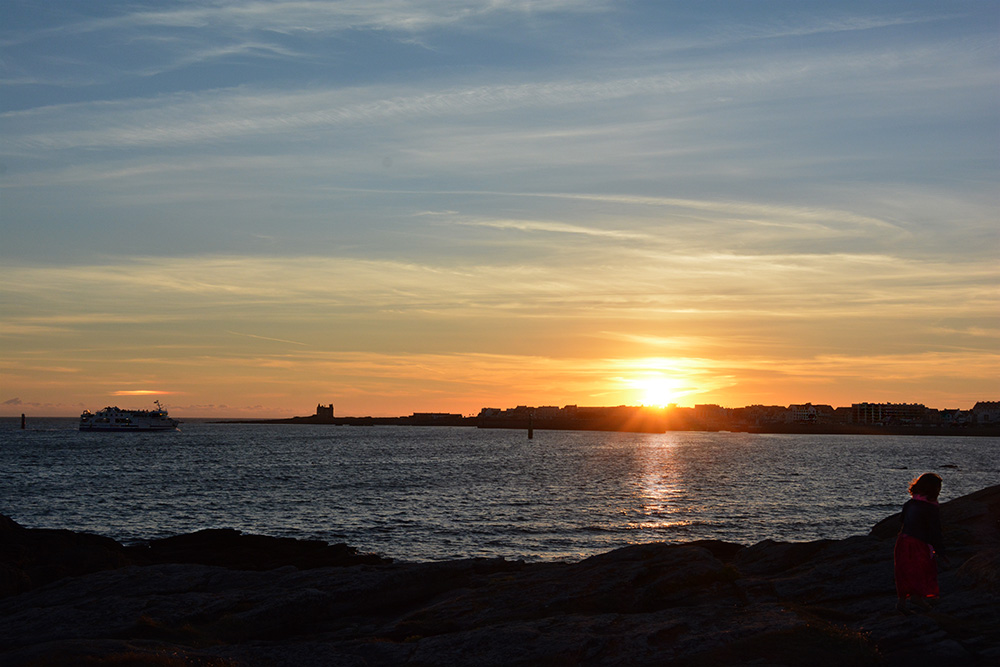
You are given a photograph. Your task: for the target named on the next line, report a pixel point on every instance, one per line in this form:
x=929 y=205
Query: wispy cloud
x=275 y=340
x=812 y=219
x=551 y=227
x=253 y=49
x=978 y=332
x=833 y=23
x=222 y=115
x=314 y=16
x=241 y=113
x=625 y=283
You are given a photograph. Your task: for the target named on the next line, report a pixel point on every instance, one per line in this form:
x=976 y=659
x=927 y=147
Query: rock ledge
x=222 y=598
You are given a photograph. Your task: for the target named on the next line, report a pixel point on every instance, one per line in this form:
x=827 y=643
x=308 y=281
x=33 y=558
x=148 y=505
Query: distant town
x=859 y=418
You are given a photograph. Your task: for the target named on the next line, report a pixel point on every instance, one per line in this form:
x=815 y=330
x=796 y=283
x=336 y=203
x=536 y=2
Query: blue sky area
x=252 y=206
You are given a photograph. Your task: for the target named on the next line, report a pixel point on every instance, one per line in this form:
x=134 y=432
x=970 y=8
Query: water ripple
x=433 y=493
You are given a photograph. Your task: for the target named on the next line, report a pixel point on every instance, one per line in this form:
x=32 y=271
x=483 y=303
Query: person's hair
x=927 y=485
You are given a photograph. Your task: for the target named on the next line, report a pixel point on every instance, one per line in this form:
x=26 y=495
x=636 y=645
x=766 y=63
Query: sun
x=658 y=391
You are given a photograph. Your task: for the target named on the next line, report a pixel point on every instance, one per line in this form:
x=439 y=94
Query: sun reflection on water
x=663 y=499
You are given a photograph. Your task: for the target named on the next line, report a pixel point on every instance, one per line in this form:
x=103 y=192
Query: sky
x=246 y=208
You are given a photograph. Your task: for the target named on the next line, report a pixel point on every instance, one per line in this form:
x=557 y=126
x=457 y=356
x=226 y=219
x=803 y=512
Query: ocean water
x=430 y=493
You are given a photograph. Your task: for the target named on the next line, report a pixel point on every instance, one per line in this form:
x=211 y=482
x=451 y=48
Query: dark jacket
x=922 y=520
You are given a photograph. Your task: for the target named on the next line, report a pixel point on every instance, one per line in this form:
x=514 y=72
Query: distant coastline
x=860 y=419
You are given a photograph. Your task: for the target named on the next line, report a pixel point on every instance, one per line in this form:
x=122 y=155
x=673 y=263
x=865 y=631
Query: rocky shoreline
x=218 y=597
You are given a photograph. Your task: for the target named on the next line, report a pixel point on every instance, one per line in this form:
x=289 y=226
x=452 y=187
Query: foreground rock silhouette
x=221 y=598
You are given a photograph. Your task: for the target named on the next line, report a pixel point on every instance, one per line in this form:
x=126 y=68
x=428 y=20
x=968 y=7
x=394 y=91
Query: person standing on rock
x=917 y=545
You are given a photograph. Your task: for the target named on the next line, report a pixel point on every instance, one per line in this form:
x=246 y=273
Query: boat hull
x=133 y=427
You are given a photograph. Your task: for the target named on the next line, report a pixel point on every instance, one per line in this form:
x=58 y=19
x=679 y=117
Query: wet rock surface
x=221 y=598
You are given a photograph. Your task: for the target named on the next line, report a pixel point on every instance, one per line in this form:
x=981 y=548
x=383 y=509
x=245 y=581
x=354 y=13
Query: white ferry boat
x=116 y=419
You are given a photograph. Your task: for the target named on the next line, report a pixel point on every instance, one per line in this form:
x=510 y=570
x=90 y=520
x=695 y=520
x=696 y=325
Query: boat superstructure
x=117 y=419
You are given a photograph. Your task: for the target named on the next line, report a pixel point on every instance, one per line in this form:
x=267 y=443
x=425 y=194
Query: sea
x=439 y=493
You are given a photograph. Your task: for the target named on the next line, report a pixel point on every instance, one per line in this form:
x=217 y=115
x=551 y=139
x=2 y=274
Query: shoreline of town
x=859 y=419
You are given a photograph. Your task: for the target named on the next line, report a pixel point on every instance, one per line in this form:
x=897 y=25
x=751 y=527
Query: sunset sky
x=246 y=208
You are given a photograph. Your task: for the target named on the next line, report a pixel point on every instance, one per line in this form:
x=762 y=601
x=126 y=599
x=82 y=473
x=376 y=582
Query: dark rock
x=230 y=548
x=233 y=599
x=35 y=557
x=982 y=571
x=770 y=557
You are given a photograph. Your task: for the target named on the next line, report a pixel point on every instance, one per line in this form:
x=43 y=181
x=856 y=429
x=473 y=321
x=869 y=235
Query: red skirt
x=916 y=571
